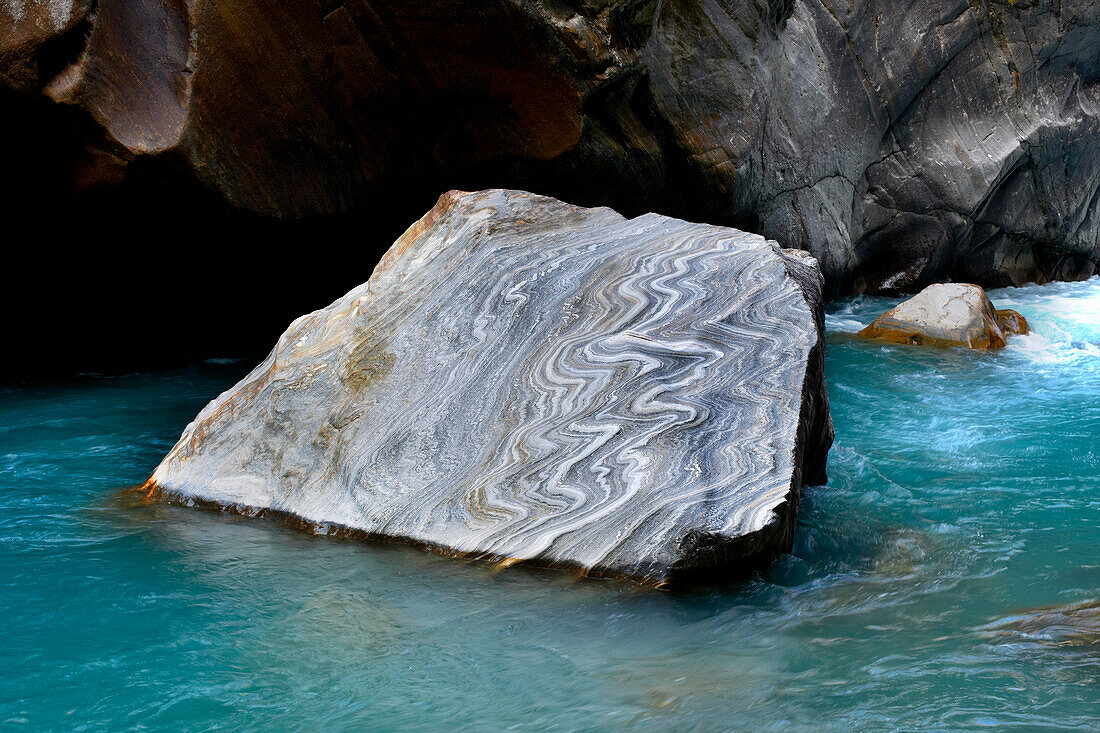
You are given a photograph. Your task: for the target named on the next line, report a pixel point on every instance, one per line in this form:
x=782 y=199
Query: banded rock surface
x=948 y=314
x=532 y=382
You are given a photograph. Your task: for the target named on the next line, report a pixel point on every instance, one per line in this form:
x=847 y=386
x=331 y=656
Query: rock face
x=901 y=143
x=531 y=382
x=948 y=314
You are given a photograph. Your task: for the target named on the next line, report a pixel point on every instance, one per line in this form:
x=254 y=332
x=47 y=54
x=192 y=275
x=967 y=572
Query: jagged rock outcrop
x=900 y=143
x=532 y=382
x=948 y=314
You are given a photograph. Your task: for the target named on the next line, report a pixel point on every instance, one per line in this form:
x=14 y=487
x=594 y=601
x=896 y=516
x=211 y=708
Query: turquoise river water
x=964 y=498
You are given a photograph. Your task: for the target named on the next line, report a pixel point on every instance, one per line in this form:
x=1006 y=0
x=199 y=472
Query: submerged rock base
x=530 y=382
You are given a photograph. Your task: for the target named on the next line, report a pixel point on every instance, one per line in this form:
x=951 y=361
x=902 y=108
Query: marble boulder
x=527 y=381
x=948 y=314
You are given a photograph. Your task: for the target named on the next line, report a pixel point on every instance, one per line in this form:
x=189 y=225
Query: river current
x=945 y=578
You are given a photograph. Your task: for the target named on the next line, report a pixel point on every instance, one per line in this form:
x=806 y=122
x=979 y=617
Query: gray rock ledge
x=526 y=381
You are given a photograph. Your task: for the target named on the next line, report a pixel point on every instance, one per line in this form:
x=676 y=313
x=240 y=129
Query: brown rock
x=305 y=108
x=1076 y=624
x=947 y=314
x=1012 y=323
x=34 y=34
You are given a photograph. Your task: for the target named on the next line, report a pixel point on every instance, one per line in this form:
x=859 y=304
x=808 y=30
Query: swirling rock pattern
x=528 y=381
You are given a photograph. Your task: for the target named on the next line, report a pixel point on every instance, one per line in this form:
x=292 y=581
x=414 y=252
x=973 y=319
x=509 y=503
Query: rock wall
x=900 y=143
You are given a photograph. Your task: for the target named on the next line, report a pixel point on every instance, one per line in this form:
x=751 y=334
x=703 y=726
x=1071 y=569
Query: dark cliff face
x=900 y=143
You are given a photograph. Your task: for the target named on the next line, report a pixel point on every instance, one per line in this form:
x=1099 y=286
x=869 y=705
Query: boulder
x=1012 y=323
x=948 y=314
x=526 y=381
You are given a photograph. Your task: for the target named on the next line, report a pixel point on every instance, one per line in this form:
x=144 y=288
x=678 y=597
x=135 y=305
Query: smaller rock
x=948 y=314
x=1012 y=323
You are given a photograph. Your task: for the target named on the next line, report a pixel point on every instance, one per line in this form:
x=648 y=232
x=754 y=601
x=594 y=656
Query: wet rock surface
x=1076 y=624
x=948 y=314
x=527 y=381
